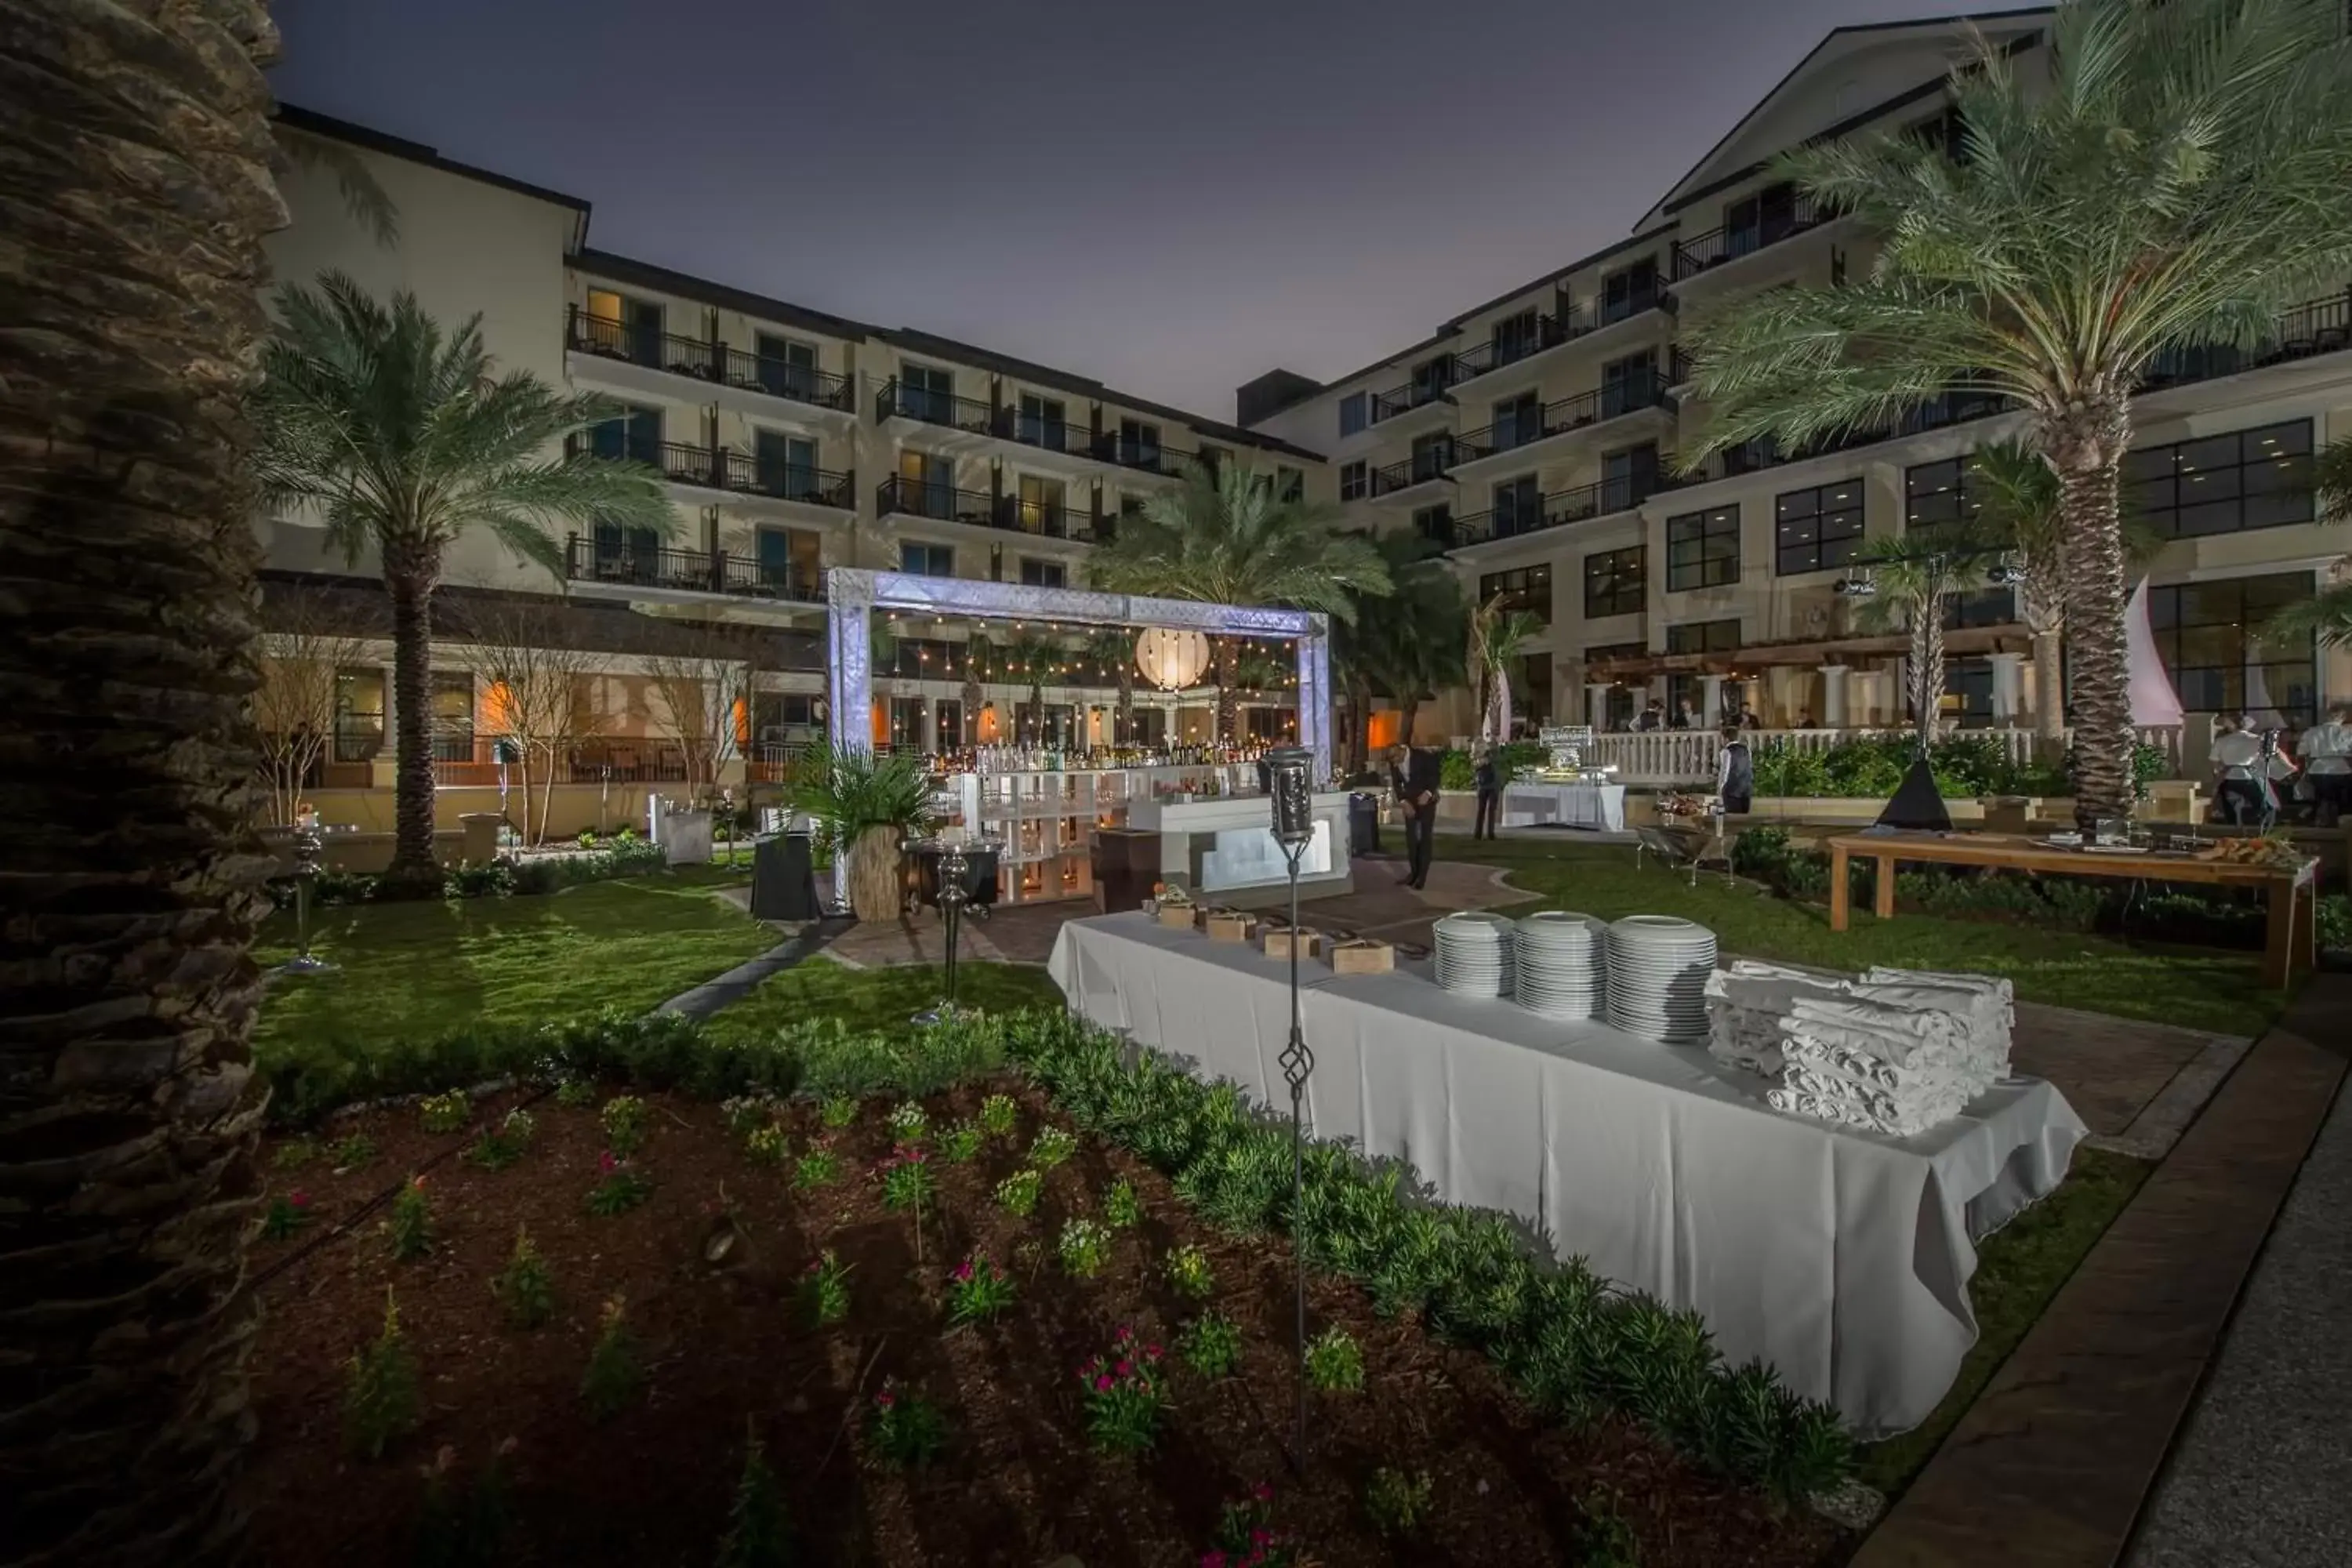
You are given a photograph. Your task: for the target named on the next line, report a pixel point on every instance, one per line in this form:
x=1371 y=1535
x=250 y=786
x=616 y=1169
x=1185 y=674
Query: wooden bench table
x=2289 y=943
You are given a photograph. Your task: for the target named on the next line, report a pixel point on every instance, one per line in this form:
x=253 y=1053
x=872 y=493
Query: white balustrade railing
x=1686 y=757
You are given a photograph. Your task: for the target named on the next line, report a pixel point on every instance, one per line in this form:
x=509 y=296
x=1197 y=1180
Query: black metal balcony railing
x=1551 y=330
x=1602 y=403
x=2315 y=327
x=1428 y=464
x=978 y=509
x=1418 y=392
x=725 y=468
x=1702 y=252
x=1557 y=509
x=1144 y=457
x=588 y=559
x=897 y=400
x=705 y=361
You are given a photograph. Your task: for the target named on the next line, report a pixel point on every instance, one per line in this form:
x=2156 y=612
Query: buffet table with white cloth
x=1531 y=803
x=1840 y=1258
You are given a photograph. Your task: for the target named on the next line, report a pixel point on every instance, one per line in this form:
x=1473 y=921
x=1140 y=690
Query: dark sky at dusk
x=1171 y=197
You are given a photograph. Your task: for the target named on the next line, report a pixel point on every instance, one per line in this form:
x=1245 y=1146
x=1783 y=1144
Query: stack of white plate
x=1658 y=967
x=1561 y=960
x=1474 y=953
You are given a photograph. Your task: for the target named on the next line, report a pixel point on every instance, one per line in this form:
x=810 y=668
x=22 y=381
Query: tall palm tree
x=135 y=140
x=1228 y=537
x=1031 y=654
x=1112 y=651
x=1497 y=636
x=979 y=652
x=1406 y=644
x=405 y=438
x=2179 y=182
x=1912 y=577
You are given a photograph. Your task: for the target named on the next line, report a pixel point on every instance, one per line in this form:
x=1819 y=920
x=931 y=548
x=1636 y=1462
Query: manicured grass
x=2018 y=1269
x=414 y=972
x=2197 y=988
x=877 y=998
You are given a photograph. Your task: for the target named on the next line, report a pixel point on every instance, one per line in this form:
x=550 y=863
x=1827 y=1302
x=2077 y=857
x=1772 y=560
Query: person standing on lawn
x=1734 y=771
x=1413 y=774
x=1490 y=794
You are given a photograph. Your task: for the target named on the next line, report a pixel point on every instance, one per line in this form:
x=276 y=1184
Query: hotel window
x=1043 y=506
x=2210 y=639
x=1629 y=382
x=1818 y=529
x=786 y=368
x=1945 y=495
x=1528 y=588
x=453 y=716
x=1289 y=484
x=1613 y=582
x=1434 y=523
x=1697 y=636
x=1354 y=480
x=1618 y=702
x=1628 y=290
x=1036 y=573
x=1043 y=422
x=1353 y=414
x=624 y=328
x=1139 y=444
x=1514 y=337
x=785 y=465
x=1703 y=550
x=1429 y=377
x=1518 y=421
x=633 y=433
x=2223 y=484
x=926 y=560
x=1432 y=455
x=789 y=559
x=1517 y=505
x=1629 y=477
x=927 y=393
x=925 y=485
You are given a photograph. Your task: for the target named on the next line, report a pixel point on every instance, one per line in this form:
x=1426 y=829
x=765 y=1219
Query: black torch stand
x=952 y=893
x=306 y=847
x=1290 y=782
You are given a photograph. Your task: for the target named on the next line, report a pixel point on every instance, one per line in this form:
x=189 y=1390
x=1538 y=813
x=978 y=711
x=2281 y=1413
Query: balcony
x=1566 y=416
x=1940 y=412
x=725 y=468
x=902 y=497
x=1551 y=331
x=1423 y=392
x=1705 y=252
x=1416 y=479
x=627 y=564
x=2316 y=327
x=1142 y=456
x=707 y=362
x=897 y=400
x=1581 y=503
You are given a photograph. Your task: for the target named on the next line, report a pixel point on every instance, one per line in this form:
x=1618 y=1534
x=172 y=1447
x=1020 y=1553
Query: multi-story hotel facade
x=1534 y=436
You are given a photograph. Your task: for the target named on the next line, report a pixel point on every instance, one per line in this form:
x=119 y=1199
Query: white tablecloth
x=1600 y=806
x=1840 y=1258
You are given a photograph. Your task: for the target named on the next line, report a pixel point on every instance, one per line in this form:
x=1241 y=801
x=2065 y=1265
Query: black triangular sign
x=1918 y=805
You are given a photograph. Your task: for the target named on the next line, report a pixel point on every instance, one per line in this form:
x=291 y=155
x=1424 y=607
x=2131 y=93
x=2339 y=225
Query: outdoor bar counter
x=1223 y=848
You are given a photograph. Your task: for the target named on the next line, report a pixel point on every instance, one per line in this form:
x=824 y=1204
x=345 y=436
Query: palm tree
x=405 y=438
x=1228 y=538
x=1032 y=654
x=1112 y=649
x=978 y=652
x=137 y=142
x=1406 y=644
x=2179 y=182
x=1913 y=576
x=1496 y=638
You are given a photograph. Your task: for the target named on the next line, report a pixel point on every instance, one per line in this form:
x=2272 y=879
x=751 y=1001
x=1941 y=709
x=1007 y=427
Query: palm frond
x=849 y=790
x=365 y=199
x=1228 y=537
x=2325 y=617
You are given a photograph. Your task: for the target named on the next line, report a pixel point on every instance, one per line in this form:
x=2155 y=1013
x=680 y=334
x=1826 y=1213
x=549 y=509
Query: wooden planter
x=877 y=879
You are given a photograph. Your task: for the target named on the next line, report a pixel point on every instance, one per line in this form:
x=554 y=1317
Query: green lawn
x=877 y=998
x=2018 y=1269
x=419 y=970
x=2197 y=988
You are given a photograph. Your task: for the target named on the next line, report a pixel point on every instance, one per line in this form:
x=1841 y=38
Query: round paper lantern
x=1171 y=661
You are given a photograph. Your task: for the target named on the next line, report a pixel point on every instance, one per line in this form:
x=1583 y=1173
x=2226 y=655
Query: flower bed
x=922 y=1367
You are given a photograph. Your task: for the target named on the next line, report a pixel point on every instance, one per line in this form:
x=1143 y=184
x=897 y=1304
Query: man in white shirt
x=2327 y=752
x=2236 y=758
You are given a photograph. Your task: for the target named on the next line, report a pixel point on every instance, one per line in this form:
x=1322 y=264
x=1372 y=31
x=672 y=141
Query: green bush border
x=1577 y=1348
x=505 y=876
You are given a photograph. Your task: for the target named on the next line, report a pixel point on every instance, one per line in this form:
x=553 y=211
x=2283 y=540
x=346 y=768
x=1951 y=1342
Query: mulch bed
x=1018 y=1484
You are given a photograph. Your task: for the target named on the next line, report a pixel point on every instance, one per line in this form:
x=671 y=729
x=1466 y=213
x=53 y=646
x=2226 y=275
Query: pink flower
x=964 y=1272
x=1102 y=1384
x=1263 y=1492
x=885 y=1399
x=1213 y=1560
x=1151 y=1352
x=298 y=1198
x=1124 y=1334
x=1124 y=1368
x=1261 y=1537
x=606 y=1163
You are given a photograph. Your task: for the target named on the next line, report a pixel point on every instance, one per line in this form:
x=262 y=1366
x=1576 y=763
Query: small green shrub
x=817 y=1168
x=524 y=1289
x=626 y=1120
x=576 y=1093
x=614 y=1376
x=1335 y=1362
x=759 y=1532
x=907 y=1181
x=1084 y=1249
x=837 y=1112
x=1398 y=1504
x=1188 y=1272
x=464 y=1528
x=999 y=1117
x=411 y=1222
x=1050 y=1147
x=619 y=1188
x=768 y=1145
x=352 y=1153
x=1603 y=1538
x=1122 y=1210
x=977 y=1293
x=503 y=1145
x=1122 y=1397
x=293 y=1154
x=1018 y=1193
x=287 y=1213
x=906 y=1431
x=1211 y=1345
x=825 y=1290
x=379 y=1389
x=446 y=1112
x=909 y=1122
x=959 y=1144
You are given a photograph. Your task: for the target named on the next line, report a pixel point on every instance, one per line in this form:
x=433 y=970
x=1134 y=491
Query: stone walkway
x=2051 y=1465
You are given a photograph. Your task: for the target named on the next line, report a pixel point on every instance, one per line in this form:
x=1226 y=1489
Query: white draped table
x=1600 y=806
x=1840 y=1258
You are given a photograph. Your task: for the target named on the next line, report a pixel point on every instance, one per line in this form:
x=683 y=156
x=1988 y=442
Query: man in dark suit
x=1413 y=775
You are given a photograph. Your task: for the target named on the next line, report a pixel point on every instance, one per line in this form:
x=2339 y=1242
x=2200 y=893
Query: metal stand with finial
x=308 y=843
x=952 y=893
x=1290 y=778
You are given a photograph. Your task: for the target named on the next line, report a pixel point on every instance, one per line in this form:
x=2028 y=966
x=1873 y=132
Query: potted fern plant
x=866 y=807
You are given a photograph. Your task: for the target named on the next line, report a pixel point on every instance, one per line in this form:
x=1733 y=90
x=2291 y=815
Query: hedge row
x=505 y=876
x=1577 y=1348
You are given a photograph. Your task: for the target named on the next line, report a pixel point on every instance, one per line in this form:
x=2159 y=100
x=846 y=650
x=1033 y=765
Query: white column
x=2008 y=688
x=1596 y=705
x=1710 y=700
x=1834 y=713
x=927 y=731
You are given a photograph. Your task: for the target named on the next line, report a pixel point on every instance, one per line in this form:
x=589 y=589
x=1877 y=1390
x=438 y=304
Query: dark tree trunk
x=135 y=160
x=2087 y=455
x=414 y=872
x=1229 y=697
x=1926 y=669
